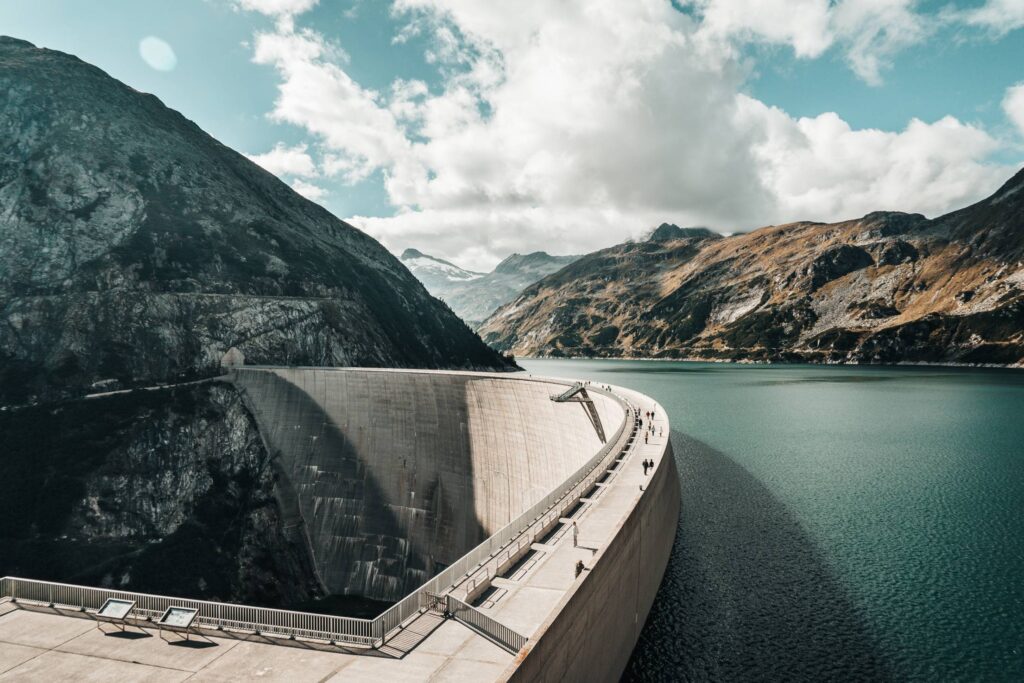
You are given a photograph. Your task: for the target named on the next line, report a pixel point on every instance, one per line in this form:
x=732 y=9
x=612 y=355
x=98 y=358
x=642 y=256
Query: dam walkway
x=565 y=614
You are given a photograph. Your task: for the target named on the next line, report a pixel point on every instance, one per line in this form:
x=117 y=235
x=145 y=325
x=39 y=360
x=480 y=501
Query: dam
x=510 y=519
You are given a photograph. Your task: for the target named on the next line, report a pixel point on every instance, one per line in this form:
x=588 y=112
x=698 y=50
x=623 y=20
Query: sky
x=471 y=130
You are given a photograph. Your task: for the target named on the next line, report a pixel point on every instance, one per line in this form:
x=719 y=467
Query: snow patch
x=429 y=265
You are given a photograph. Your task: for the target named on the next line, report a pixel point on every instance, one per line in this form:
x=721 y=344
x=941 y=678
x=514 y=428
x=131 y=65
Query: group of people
x=648 y=465
x=650 y=431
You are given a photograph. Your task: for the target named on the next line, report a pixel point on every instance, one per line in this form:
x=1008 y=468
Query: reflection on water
x=837 y=522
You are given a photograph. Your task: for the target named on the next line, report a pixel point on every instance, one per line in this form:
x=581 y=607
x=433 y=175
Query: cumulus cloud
x=571 y=126
x=998 y=16
x=874 y=31
x=285 y=161
x=1013 y=105
x=869 y=32
x=802 y=24
x=316 y=93
x=821 y=167
x=157 y=53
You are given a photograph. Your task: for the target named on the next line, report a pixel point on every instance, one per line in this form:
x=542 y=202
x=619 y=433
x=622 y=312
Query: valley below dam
x=837 y=522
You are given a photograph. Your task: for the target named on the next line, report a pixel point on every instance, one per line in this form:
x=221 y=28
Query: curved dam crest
x=392 y=476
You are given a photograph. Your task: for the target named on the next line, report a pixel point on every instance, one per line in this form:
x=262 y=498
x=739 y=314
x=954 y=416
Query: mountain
x=886 y=288
x=474 y=296
x=670 y=231
x=137 y=248
x=435 y=273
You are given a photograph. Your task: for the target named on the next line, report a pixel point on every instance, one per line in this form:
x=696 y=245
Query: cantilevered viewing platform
x=486 y=478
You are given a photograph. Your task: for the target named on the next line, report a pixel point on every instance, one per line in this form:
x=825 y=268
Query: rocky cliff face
x=168 y=491
x=886 y=288
x=474 y=296
x=135 y=247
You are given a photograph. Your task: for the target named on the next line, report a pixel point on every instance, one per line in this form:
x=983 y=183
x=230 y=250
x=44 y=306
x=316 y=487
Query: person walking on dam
x=575 y=535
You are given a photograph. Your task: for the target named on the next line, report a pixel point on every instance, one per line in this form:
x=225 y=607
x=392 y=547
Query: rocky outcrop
x=167 y=491
x=887 y=288
x=669 y=231
x=134 y=247
x=835 y=262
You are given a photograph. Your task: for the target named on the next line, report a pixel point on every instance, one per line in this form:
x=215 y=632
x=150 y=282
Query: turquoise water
x=837 y=522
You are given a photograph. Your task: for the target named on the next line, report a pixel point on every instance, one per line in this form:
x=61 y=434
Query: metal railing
x=568 y=493
x=350 y=630
x=483 y=624
x=212 y=615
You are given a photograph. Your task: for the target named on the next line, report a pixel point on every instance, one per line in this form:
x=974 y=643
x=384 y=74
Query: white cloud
x=821 y=167
x=157 y=53
x=803 y=24
x=570 y=126
x=316 y=93
x=284 y=161
x=869 y=32
x=998 y=16
x=309 y=190
x=277 y=8
x=874 y=31
x=1013 y=105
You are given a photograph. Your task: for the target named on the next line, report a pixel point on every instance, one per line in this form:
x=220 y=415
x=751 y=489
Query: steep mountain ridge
x=135 y=247
x=474 y=296
x=888 y=287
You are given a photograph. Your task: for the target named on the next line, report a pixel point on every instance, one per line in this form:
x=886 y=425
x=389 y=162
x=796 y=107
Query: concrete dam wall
x=393 y=475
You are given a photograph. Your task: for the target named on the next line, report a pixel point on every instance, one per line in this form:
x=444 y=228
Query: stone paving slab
x=42 y=630
x=147 y=647
x=415 y=666
x=12 y=655
x=258 y=661
x=64 y=666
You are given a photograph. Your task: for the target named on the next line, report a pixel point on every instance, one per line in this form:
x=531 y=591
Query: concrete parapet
x=590 y=634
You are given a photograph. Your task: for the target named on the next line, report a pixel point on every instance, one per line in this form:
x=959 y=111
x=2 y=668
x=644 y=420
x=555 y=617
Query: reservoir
x=837 y=522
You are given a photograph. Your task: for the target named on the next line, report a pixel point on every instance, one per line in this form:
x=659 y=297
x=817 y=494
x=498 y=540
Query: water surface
x=837 y=522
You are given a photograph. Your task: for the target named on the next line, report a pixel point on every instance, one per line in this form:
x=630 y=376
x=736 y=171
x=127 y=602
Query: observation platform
x=522 y=611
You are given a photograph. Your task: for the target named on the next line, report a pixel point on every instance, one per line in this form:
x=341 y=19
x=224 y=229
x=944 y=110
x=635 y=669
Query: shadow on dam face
x=747 y=596
x=394 y=475
x=364 y=539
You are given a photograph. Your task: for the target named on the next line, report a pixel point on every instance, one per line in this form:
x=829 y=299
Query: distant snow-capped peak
x=425 y=265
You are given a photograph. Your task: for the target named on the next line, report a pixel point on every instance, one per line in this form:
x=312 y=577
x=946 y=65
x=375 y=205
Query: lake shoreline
x=806 y=363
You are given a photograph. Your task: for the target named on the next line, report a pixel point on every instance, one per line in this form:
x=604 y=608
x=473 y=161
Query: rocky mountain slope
x=474 y=296
x=886 y=288
x=165 y=491
x=135 y=247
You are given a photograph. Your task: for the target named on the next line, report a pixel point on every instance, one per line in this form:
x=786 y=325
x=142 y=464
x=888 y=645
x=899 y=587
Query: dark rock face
x=887 y=288
x=165 y=491
x=136 y=247
x=670 y=231
x=836 y=262
x=895 y=252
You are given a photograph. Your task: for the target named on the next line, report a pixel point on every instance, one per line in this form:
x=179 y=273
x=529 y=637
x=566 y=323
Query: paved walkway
x=527 y=594
x=38 y=643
